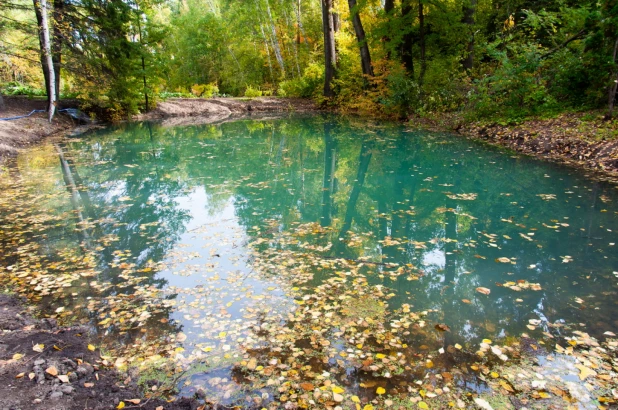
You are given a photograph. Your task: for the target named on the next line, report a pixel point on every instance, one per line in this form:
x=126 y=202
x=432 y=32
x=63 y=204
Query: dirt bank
x=185 y=111
x=43 y=366
x=20 y=133
x=582 y=140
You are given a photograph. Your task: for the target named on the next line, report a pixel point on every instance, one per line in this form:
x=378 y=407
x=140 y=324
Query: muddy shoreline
x=46 y=366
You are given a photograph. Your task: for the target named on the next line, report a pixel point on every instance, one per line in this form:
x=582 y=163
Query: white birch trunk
x=270 y=66
x=48 y=56
x=275 y=41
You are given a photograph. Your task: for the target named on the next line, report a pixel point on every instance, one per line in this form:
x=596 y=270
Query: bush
x=252 y=92
x=17 y=88
x=204 y=90
x=306 y=86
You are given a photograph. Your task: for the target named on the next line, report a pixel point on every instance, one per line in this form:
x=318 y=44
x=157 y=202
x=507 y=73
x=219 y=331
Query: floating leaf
x=442 y=327
x=483 y=290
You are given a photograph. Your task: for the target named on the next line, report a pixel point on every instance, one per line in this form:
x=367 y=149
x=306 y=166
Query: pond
x=313 y=250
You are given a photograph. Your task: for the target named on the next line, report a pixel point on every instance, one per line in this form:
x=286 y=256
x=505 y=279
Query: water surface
x=215 y=217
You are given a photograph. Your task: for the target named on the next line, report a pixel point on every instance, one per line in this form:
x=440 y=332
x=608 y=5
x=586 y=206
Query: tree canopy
x=488 y=58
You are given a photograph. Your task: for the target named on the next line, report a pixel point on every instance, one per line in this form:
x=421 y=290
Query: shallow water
x=201 y=210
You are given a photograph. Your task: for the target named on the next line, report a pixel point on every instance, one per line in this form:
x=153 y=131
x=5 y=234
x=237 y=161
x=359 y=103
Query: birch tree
x=46 y=56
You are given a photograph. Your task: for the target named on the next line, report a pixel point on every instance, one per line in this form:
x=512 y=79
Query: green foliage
x=204 y=90
x=16 y=88
x=251 y=92
x=309 y=85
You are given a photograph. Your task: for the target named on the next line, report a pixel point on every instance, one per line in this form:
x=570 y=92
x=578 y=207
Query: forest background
x=503 y=60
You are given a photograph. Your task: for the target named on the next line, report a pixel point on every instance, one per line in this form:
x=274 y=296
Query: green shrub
x=204 y=90
x=306 y=86
x=251 y=92
x=17 y=88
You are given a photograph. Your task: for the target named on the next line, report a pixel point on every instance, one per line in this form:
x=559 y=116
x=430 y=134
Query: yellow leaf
x=337 y=389
x=380 y=390
x=38 y=348
x=91 y=348
x=487 y=341
x=368 y=407
x=222 y=335
x=17 y=356
x=380 y=356
x=585 y=371
x=355 y=399
x=422 y=405
x=494 y=375
x=20 y=375
x=544 y=395
x=121 y=405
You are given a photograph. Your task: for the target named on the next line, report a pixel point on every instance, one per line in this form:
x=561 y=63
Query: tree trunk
x=2 y=107
x=389 y=6
x=330 y=52
x=270 y=66
x=468 y=19
x=300 y=32
x=421 y=38
x=275 y=40
x=43 y=57
x=57 y=42
x=406 y=51
x=139 y=27
x=361 y=39
x=613 y=86
x=46 y=54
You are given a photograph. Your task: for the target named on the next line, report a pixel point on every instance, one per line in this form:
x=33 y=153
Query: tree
x=359 y=31
x=330 y=50
x=46 y=55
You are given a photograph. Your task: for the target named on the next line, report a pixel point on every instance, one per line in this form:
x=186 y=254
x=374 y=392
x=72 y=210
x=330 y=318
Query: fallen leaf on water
x=442 y=327
x=466 y=301
x=483 y=290
x=337 y=389
x=483 y=404
x=585 y=371
x=503 y=260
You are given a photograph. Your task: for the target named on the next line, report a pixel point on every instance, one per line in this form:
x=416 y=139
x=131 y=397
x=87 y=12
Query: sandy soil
x=23 y=132
x=193 y=111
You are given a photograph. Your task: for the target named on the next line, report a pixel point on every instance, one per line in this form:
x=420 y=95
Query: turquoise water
x=188 y=203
